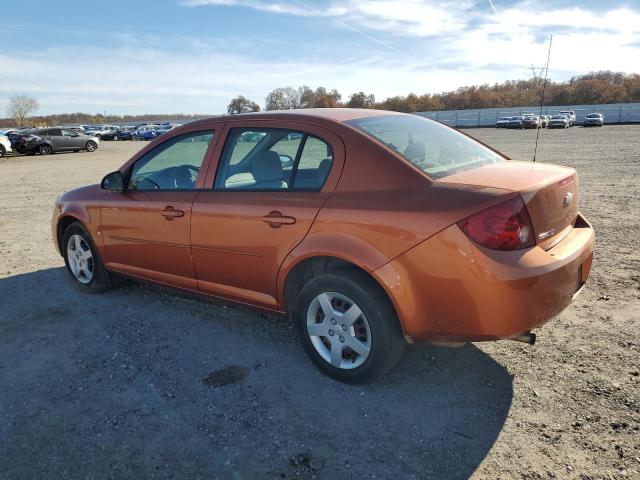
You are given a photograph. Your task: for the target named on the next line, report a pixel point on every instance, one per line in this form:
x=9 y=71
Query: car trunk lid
x=550 y=193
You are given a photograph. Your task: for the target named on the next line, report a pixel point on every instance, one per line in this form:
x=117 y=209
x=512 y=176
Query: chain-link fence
x=487 y=117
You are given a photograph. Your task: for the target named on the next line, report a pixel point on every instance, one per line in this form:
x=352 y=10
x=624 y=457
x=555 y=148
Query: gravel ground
x=143 y=382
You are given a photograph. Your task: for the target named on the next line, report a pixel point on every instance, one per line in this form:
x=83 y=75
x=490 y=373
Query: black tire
x=387 y=342
x=91 y=146
x=45 y=149
x=100 y=280
x=3 y=151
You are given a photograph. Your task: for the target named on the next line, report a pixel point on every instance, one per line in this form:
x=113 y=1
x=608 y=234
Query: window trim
x=294 y=170
x=205 y=159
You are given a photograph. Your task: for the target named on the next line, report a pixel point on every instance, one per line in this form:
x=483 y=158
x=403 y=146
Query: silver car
x=46 y=141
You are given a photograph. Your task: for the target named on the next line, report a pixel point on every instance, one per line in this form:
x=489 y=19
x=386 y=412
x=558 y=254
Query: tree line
x=592 y=88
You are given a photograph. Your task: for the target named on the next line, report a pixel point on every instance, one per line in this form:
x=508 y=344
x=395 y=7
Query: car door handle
x=170 y=213
x=275 y=219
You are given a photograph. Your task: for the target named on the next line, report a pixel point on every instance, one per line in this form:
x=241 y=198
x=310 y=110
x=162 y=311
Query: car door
x=58 y=142
x=73 y=140
x=146 y=228
x=270 y=182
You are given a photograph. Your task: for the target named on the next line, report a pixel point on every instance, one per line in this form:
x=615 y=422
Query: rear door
x=271 y=180
x=54 y=135
x=146 y=228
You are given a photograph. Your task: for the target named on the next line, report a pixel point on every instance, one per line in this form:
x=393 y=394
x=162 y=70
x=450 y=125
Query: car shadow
x=141 y=382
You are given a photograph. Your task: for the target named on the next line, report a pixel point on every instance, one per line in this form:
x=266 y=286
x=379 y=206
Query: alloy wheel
x=339 y=330
x=80 y=259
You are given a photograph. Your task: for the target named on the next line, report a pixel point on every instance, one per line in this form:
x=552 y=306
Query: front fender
x=82 y=205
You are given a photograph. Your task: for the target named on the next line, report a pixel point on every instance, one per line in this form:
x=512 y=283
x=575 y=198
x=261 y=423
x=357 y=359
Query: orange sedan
x=370 y=229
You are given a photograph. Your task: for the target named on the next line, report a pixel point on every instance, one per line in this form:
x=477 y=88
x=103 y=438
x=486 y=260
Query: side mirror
x=286 y=161
x=114 y=181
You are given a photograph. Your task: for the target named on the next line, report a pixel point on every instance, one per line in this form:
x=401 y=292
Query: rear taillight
x=505 y=226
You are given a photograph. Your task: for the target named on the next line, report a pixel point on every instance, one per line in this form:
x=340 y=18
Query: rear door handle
x=275 y=219
x=170 y=213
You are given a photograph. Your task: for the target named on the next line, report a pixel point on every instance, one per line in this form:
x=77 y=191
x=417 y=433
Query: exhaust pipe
x=526 y=337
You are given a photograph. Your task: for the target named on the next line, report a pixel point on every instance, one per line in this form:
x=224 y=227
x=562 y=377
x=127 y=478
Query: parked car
x=571 y=115
x=121 y=133
x=16 y=136
x=387 y=228
x=146 y=134
x=5 y=145
x=46 y=141
x=99 y=131
x=530 y=121
x=559 y=121
x=544 y=121
x=515 y=122
x=503 y=122
x=594 y=120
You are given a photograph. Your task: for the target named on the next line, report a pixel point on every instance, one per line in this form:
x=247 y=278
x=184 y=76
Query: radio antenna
x=544 y=87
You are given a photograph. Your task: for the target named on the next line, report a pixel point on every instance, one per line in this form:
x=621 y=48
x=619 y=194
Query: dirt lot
x=142 y=382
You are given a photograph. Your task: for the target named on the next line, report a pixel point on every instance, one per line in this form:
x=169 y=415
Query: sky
x=194 y=56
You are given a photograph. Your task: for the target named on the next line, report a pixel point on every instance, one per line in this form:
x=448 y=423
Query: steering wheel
x=185 y=174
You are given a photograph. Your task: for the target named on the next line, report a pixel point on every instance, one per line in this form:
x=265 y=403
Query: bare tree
x=242 y=105
x=20 y=107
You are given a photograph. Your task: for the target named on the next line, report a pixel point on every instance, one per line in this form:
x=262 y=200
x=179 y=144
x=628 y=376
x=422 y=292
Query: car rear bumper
x=449 y=289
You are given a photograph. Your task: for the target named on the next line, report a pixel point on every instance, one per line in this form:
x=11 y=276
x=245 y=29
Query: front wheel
x=85 y=269
x=2 y=151
x=91 y=146
x=348 y=326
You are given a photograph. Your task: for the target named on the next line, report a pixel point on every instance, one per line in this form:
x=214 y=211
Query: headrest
x=267 y=167
x=415 y=151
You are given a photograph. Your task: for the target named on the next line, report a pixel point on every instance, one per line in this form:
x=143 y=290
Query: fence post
x=619 y=114
x=457 y=119
x=478 y=118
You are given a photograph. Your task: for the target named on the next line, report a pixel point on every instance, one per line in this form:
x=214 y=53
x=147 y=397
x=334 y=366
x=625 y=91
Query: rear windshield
x=434 y=148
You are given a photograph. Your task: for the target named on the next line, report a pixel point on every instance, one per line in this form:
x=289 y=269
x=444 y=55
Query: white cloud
x=474 y=33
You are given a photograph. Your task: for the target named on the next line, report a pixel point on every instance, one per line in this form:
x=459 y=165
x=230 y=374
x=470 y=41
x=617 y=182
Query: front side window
x=172 y=165
x=434 y=148
x=273 y=159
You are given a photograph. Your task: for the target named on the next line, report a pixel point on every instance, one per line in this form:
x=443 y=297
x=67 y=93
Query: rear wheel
x=45 y=149
x=348 y=326
x=85 y=269
x=91 y=146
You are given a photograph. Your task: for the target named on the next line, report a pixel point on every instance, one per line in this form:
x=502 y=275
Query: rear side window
x=273 y=159
x=434 y=148
x=314 y=166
